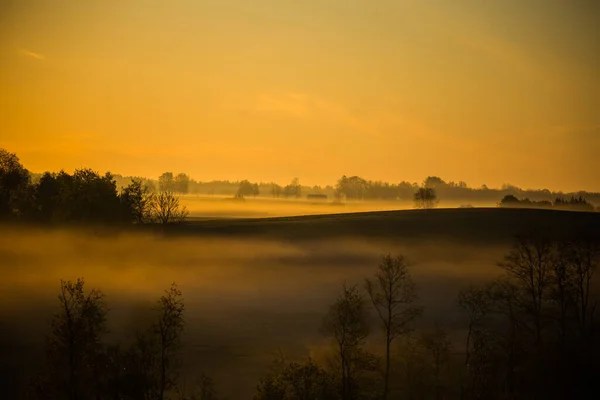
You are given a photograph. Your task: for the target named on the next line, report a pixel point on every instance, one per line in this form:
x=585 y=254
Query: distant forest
x=355 y=188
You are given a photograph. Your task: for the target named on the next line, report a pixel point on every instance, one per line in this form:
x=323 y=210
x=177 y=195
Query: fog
x=261 y=207
x=245 y=299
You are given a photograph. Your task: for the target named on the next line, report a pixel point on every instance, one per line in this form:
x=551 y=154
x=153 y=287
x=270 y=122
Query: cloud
x=29 y=53
x=300 y=105
x=385 y=120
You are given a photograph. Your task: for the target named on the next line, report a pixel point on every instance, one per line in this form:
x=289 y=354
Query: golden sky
x=486 y=92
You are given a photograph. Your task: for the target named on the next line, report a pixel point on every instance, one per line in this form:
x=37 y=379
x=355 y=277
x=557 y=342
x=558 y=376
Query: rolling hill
x=478 y=225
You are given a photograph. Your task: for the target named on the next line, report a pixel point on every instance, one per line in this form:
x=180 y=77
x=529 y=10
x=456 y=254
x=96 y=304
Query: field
x=468 y=225
x=254 y=285
x=219 y=207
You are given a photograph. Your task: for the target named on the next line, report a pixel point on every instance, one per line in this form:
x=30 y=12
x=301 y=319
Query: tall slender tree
x=346 y=323
x=393 y=295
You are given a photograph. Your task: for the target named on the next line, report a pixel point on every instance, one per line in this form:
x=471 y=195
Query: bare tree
x=168 y=330
x=297 y=381
x=411 y=362
x=476 y=303
x=510 y=346
x=583 y=257
x=165 y=208
x=563 y=288
x=74 y=345
x=204 y=389
x=530 y=262
x=346 y=323
x=393 y=294
x=438 y=346
x=507 y=301
x=153 y=358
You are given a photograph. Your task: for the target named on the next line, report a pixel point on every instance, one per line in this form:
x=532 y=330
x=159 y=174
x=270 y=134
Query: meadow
x=218 y=207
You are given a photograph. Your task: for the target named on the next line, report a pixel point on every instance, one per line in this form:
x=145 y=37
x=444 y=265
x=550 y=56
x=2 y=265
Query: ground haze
x=254 y=286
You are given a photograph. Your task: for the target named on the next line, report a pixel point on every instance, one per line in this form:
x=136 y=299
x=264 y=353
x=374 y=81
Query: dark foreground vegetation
x=530 y=334
x=85 y=197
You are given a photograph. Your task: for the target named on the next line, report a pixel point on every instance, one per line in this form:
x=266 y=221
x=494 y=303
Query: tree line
x=82 y=197
x=90 y=198
x=86 y=196
x=181 y=183
x=574 y=203
x=356 y=188
x=529 y=334
x=351 y=188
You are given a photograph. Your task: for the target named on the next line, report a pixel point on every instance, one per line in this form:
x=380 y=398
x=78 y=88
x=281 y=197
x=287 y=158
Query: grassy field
x=214 y=207
x=465 y=224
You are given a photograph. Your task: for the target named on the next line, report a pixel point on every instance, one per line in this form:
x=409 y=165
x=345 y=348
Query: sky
x=487 y=92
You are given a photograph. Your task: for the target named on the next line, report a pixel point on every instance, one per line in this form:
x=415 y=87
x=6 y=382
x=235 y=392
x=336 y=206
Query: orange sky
x=485 y=92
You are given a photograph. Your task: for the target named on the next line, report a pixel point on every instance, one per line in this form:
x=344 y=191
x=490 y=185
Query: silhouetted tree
x=166 y=182
x=411 y=372
x=14 y=180
x=48 y=191
x=136 y=200
x=509 y=201
x=433 y=182
x=181 y=183
x=393 y=294
x=168 y=330
x=293 y=189
x=74 y=347
x=346 y=324
x=530 y=262
x=508 y=342
x=97 y=195
x=575 y=203
x=153 y=359
x=204 y=389
x=581 y=260
x=276 y=190
x=353 y=188
x=533 y=332
x=84 y=197
x=247 y=189
x=562 y=289
x=164 y=208
x=438 y=347
x=425 y=198
x=296 y=381
x=476 y=303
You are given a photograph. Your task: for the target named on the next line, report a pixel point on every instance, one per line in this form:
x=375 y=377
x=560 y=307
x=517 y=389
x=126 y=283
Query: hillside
x=476 y=225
